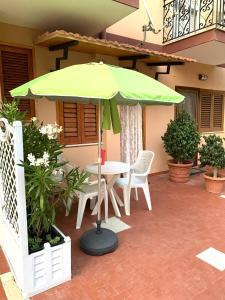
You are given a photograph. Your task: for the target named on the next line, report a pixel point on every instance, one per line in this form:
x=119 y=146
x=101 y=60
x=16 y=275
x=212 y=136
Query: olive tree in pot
x=212 y=154
x=181 y=141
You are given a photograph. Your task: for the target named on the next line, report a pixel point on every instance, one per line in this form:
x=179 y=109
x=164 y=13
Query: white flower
x=52 y=130
x=58 y=172
x=55 y=172
x=44 y=161
x=34 y=119
x=31 y=159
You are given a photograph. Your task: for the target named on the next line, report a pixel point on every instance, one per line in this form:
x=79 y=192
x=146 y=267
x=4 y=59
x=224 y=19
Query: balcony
x=193 y=27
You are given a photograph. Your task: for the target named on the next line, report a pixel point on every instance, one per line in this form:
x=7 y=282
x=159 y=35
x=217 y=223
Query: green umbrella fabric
x=93 y=81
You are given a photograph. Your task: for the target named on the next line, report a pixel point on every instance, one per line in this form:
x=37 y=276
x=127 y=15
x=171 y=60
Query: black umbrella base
x=98 y=241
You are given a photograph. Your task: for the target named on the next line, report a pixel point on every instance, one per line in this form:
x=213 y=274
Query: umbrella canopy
x=99 y=81
x=92 y=81
x=107 y=85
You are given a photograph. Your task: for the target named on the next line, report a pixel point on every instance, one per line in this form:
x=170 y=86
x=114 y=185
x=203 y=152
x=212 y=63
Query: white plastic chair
x=91 y=191
x=137 y=178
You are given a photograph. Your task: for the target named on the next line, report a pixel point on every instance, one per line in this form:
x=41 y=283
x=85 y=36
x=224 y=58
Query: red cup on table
x=103 y=155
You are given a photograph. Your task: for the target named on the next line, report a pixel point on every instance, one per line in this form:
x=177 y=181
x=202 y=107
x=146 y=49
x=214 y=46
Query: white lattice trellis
x=13 y=202
x=41 y=270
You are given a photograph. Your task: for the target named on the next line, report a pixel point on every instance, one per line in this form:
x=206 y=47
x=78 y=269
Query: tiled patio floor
x=156 y=258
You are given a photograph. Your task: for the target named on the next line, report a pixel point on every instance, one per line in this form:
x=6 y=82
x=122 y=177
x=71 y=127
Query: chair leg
x=68 y=205
x=80 y=211
x=106 y=203
x=95 y=210
x=92 y=203
x=147 y=195
x=136 y=194
x=114 y=203
x=126 y=197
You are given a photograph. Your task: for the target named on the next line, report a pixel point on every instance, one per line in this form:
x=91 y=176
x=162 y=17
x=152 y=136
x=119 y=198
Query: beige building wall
x=157 y=117
x=131 y=26
x=43 y=62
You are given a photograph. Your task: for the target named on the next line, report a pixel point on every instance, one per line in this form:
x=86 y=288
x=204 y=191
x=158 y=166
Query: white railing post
x=20 y=186
x=1 y=216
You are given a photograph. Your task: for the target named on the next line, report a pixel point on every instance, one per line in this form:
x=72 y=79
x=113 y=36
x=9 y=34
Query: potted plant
x=212 y=154
x=181 y=141
x=45 y=261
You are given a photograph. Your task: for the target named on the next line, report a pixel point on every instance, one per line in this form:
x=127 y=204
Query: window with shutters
x=16 y=69
x=79 y=122
x=205 y=106
x=211 y=111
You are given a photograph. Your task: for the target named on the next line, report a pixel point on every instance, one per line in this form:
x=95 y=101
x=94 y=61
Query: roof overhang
x=86 y=17
x=92 y=45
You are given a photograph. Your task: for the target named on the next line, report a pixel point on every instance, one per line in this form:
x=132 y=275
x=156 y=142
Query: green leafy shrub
x=52 y=241
x=181 y=138
x=41 y=163
x=35 y=244
x=11 y=112
x=212 y=153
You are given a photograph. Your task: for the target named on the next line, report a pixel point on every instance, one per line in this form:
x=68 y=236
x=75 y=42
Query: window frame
x=29 y=53
x=198 y=108
x=81 y=139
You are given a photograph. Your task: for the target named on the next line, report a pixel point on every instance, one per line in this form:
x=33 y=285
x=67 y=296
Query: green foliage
x=43 y=191
x=34 y=243
x=40 y=205
x=11 y=112
x=212 y=153
x=74 y=181
x=37 y=143
x=181 y=138
x=52 y=241
x=41 y=163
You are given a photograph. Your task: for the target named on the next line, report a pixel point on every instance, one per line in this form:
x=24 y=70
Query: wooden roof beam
x=134 y=59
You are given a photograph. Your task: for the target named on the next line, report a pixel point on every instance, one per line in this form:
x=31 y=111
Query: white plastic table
x=114 y=169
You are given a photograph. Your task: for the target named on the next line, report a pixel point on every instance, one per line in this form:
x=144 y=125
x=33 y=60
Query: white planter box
x=46 y=268
x=41 y=270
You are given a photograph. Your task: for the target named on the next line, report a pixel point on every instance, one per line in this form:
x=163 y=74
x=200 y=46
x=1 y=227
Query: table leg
x=119 y=201
x=112 y=195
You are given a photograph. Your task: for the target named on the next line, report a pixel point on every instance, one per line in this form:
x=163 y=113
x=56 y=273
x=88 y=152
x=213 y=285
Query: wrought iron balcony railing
x=183 y=18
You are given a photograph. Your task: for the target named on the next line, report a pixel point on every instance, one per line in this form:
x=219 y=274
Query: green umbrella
x=104 y=84
x=93 y=81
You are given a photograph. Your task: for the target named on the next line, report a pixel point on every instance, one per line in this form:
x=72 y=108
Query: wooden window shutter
x=205 y=120
x=89 y=123
x=79 y=122
x=16 y=69
x=69 y=116
x=218 y=107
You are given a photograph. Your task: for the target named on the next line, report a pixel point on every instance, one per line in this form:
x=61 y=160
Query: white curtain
x=131 y=134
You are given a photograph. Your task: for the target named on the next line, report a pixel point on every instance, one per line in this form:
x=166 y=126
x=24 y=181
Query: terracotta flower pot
x=214 y=185
x=179 y=172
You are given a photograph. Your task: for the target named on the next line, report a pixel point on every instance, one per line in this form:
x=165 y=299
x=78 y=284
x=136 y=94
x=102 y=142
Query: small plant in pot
x=212 y=154
x=181 y=141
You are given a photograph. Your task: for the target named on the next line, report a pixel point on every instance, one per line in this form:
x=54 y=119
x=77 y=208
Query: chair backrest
x=144 y=162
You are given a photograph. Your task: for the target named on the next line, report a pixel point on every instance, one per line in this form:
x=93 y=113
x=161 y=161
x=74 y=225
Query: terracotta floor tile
x=2 y=293
x=156 y=258
x=4 y=268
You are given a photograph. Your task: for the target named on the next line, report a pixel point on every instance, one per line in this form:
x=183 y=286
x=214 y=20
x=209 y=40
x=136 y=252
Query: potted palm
x=212 y=154
x=181 y=141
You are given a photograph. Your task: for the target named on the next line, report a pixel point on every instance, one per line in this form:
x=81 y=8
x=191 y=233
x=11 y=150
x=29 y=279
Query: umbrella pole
x=99 y=166
x=101 y=240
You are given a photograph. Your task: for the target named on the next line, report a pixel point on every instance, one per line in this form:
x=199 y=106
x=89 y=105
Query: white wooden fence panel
x=13 y=201
x=41 y=270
